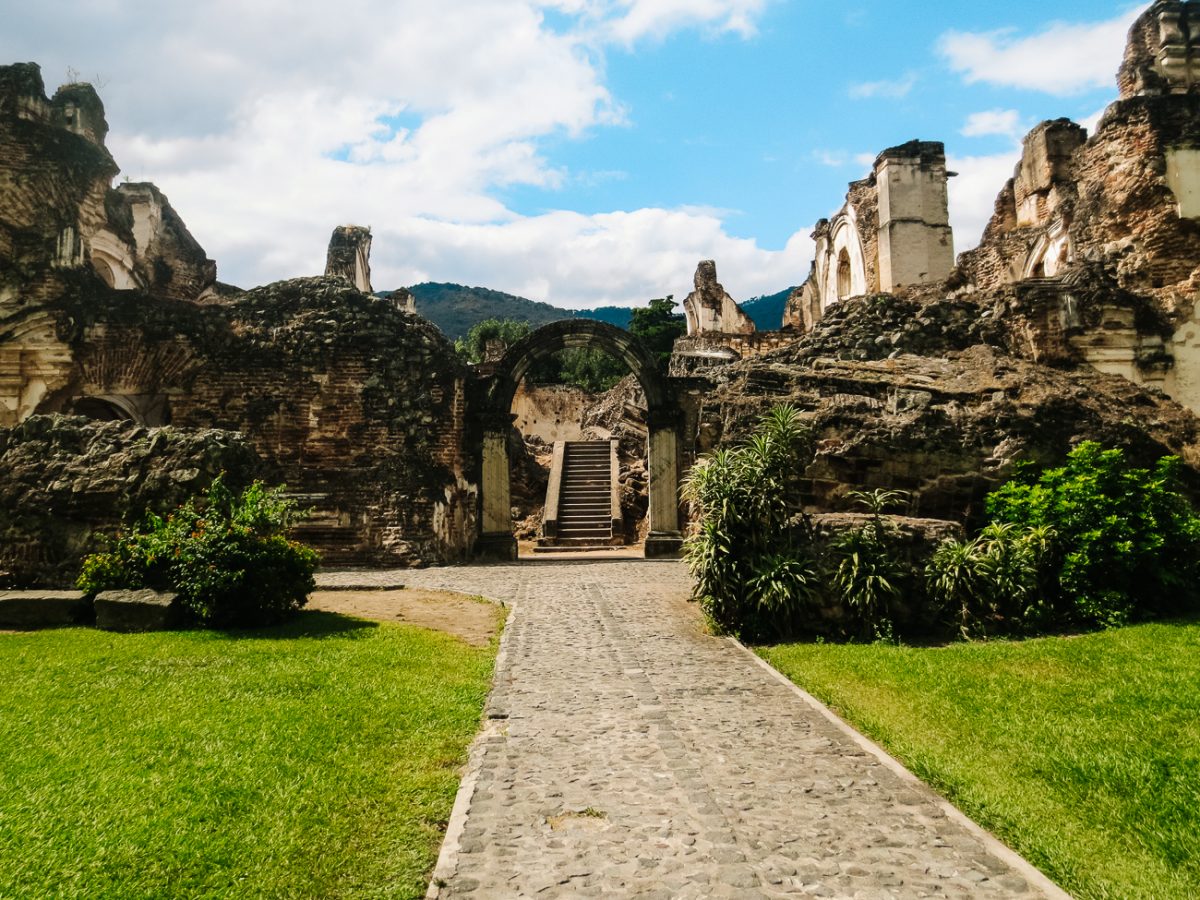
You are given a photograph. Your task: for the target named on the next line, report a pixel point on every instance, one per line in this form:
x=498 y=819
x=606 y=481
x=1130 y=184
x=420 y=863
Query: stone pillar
x=496 y=540
x=665 y=538
x=916 y=245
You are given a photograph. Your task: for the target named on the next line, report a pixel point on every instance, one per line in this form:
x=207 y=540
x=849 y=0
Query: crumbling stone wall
x=355 y=404
x=948 y=428
x=64 y=480
x=709 y=308
x=892 y=232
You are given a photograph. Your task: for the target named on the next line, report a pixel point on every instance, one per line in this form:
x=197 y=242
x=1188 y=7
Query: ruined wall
x=695 y=353
x=933 y=406
x=551 y=412
x=1118 y=209
x=709 y=308
x=892 y=232
x=356 y=405
x=62 y=480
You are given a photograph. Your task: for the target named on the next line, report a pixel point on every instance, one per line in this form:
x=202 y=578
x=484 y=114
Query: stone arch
x=663 y=420
x=105 y=409
x=113 y=261
x=844 y=245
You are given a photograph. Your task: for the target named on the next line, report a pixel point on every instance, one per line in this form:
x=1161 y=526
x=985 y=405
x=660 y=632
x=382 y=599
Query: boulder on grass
x=41 y=609
x=142 y=610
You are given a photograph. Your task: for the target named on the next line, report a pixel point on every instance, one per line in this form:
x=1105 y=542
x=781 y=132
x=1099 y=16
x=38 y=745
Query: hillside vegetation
x=456 y=309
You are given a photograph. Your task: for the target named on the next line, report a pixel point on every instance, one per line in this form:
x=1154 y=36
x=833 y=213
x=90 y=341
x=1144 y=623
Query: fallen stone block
x=40 y=609
x=142 y=610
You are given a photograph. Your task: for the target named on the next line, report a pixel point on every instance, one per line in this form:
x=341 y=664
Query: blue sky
x=576 y=151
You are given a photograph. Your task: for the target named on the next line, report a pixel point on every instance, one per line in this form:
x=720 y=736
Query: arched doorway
x=663 y=421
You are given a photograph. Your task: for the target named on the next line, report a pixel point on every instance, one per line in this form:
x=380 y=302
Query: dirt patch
x=474 y=621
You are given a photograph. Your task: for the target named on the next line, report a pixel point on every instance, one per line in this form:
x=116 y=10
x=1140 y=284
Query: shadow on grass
x=309 y=624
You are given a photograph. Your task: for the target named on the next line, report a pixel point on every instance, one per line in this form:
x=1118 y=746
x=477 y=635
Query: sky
x=580 y=152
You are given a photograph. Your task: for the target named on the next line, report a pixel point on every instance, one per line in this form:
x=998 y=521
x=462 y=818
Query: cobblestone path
x=629 y=754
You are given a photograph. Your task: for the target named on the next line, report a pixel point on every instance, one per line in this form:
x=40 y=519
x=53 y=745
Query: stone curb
x=495 y=713
x=1036 y=878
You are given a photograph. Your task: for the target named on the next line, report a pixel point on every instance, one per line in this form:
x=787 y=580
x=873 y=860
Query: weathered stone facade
x=109 y=308
x=709 y=308
x=893 y=232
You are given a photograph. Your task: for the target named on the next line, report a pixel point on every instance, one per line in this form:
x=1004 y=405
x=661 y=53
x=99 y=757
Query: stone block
x=39 y=609
x=143 y=610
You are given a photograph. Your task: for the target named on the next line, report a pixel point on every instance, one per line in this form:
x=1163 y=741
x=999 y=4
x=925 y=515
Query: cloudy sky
x=581 y=152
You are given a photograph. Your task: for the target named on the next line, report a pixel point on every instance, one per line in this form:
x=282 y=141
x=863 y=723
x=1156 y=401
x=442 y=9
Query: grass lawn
x=318 y=759
x=1081 y=753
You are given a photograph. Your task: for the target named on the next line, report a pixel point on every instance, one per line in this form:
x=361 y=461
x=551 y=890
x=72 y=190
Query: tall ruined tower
x=916 y=245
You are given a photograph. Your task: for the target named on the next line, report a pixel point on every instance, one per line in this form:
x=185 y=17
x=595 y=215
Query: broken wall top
x=1162 y=55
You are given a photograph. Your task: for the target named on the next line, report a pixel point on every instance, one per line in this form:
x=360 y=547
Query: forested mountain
x=454 y=308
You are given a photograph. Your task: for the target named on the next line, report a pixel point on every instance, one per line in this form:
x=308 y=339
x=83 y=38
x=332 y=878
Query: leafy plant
x=1126 y=539
x=869 y=575
x=227 y=557
x=992 y=582
x=754 y=575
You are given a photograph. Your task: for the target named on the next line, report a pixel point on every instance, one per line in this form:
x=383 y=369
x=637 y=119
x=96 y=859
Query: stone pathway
x=628 y=754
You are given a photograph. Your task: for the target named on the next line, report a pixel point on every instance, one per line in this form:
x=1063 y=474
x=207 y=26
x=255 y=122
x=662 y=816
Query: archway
x=663 y=420
x=844 y=280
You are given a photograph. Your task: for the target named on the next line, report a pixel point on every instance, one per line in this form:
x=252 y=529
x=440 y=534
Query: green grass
x=318 y=759
x=1081 y=753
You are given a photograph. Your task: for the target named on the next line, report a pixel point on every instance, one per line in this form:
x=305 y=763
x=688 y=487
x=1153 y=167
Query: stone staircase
x=579 y=503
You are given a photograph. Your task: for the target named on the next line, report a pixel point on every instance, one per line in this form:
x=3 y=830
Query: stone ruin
x=1076 y=317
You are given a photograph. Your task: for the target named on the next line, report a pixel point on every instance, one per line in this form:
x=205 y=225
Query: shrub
x=867 y=571
x=754 y=577
x=227 y=557
x=1126 y=540
x=992 y=583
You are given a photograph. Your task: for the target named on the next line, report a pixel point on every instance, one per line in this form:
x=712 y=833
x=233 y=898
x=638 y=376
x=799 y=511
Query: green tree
x=473 y=347
x=658 y=326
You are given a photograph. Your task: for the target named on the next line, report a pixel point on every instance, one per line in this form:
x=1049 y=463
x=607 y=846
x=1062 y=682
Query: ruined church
x=130 y=375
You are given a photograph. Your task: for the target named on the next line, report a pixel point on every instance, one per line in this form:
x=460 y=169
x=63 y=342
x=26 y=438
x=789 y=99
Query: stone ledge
x=40 y=609
x=143 y=610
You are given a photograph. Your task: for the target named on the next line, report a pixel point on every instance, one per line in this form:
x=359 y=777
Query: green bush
x=1126 y=540
x=753 y=576
x=227 y=557
x=994 y=582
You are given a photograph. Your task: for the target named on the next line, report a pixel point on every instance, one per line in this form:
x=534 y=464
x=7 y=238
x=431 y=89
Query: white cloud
x=973 y=193
x=1061 y=59
x=834 y=159
x=891 y=90
x=631 y=20
x=1003 y=122
x=269 y=123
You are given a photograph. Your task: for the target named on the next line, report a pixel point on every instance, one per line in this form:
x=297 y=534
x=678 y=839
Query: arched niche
x=663 y=421
x=113 y=261
x=844 y=270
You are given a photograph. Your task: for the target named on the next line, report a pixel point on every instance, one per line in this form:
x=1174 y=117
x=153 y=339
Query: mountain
x=455 y=308
x=767 y=311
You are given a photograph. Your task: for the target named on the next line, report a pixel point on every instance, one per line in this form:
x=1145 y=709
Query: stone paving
x=630 y=754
